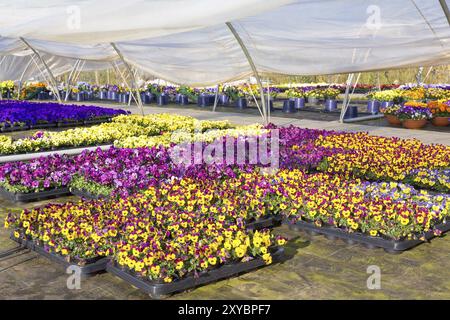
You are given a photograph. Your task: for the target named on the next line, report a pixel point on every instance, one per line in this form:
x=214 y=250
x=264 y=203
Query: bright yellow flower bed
x=121 y=128
x=374 y=157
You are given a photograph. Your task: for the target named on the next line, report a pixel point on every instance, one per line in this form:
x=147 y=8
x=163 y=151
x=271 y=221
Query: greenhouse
x=224 y=150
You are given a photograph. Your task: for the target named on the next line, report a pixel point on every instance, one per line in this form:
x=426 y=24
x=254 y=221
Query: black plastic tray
x=59 y=124
x=86 y=195
x=157 y=290
x=390 y=246
x=62 y=124
x=43 y=125
x=33 y=196
x=14 y=128
x=264 y=222
x=92 y=267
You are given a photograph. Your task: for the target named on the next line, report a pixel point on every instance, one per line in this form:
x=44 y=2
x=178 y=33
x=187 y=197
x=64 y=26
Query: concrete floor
x=315 y=268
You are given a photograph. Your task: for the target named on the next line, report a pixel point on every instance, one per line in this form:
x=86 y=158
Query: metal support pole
x=428 y=73
x=52 y=88
x=419 y=76
x=346 y=97
x=256 y=100
x=1 y=62
x=133 y=78
x=19 y=87
x=446 y=10
x=268 y=101
x=118 y=74
x=252 y=65
x=52 y=77
x=216 y=98
x=69 y=79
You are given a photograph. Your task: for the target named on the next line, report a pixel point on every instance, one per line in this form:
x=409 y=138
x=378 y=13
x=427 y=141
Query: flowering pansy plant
x=414 y=113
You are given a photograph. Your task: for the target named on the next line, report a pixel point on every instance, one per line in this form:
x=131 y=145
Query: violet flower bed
x=24 y=113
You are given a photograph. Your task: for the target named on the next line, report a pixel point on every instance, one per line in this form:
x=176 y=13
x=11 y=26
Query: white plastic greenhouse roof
x=188 y=42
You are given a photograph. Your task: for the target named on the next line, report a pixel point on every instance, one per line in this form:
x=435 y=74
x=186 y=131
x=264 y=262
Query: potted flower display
x=414 y=115
x=185 y=94
x=330 y=95
x=226 y=94
x=6 y=89
x=390 y=113
x=159 y=93
x=238 y=95
x=314 y=96
x=387 y=98
x=441 y=113
x=298 y=96
x=373 y=105
x=273 y=93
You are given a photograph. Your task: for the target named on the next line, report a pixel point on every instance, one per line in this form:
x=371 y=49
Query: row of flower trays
x=159 y=289
x=390 y=246
x=155 y=289
x=25 y=115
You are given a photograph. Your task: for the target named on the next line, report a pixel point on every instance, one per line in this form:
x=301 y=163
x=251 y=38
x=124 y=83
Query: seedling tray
x=390 y=246
x=14 y=128
x=86 y=194
x=158 y=290
x=33 y=196
x=91 y=267
x=63 y=124
x=264 y=222
x=43 y=126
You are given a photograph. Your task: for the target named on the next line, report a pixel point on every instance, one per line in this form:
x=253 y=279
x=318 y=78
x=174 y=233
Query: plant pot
x=385 y=104
x=414 y=124
x=114 y=96
x=205 y=100
x=241 y=103
x=162 y=100
x=289 y=106
x=330 y=105
x=392 y=119
x=79 y=96
x=351 y=112
x=440 y=121
x=103 y=95
x=313 y=100
x=271 y=105
x=89 y=95
x=42 y=96
x=124 y=98
x=373 y=106
x=183 y=100
x=224 y=100
x=146 y=97
x=299 y=103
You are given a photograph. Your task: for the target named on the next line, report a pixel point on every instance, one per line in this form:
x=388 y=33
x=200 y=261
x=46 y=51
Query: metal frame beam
x=216 y=98
x=19 y=87
x=133 y=78
x=446 y=10
x=347 y=97
x=49 y=83
x=252 y=65
x=69 y=79
x=52 y=77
